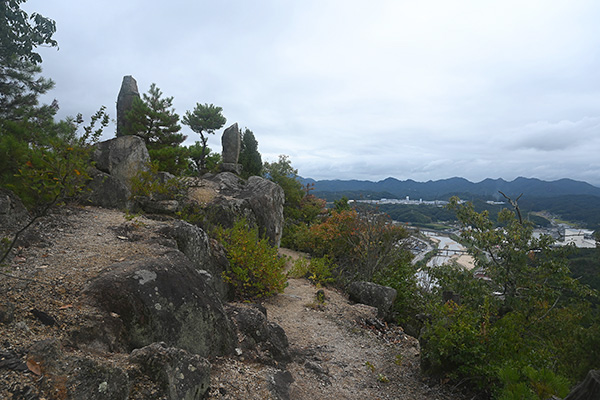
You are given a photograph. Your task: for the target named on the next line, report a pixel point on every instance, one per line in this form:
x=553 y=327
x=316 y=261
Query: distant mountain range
x=445 y=188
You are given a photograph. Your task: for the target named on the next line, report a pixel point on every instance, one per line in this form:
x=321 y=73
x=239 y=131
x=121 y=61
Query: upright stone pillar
x=129 y=91
x=232 y=142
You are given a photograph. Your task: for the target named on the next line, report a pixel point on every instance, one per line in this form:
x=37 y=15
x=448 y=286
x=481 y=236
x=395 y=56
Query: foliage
x=256 y=270
x=52 y=169
x=401 y=275
x=56 y=169
x=360 y=243
x=341 y=204
x=154 y=120
x=20 y=34
x=149 y=183
x=282 y=173
x=198 y=154
x=521 y=333
x=204 y=119
x=250 y=158
x=317 y=270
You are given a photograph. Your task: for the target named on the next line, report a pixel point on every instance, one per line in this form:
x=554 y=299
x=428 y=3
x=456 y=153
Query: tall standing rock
x=232 y=143
x=129 y=91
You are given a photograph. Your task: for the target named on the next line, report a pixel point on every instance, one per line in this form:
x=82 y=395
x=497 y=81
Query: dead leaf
x=65 y=307
x=34 y=367
x=43 y=266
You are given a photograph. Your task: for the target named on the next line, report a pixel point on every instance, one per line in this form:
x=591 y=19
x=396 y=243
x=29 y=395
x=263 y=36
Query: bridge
x=450 y=252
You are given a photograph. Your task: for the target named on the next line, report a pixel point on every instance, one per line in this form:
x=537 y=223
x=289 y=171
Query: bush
x=256 y=270
x=317 y=270
x=147 y=183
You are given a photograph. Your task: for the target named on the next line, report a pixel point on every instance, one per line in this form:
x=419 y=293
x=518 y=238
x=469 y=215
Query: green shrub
x=147 y=183
x=317 y=270
x=256 y=270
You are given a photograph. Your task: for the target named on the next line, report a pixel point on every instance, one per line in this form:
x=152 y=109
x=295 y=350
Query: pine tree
x=154 y=119
x=250 y=158
x=204 y=119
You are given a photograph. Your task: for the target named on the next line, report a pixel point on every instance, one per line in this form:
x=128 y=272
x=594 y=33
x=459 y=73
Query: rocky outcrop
x=164 y=299
x=129 y=91
x=75 y=377
x=122 y=157
x=259 y=339
x=232 y=143
x=371 y=294
x=225 y=198
x=13 y=213
x=204 y=253
x=116 y=161
x=178 y=374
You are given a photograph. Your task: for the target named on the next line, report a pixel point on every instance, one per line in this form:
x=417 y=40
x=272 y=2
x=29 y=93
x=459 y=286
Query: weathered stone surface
x=182 y=376
x=77 y=377
x=122 y=157
x=264 y=340
x=231 y=142
x=100 y=332
x=588 y=389
x=107 y=191
x=371 y=294
x=129 y=91
x=164 y=299
x=225 y=198
x=204 y=255
x=266 y=199
x=13 y=213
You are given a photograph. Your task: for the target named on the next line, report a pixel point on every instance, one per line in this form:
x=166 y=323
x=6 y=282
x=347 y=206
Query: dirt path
x=336 y=355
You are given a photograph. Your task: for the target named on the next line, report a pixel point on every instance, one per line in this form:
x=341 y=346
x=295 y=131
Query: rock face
x=371 y=294
x=588 y=389
x=232 y=143
x=13 y=213
x=78 y=378
x=266 y=340
x=164 y=299
x=129 y=91
x=183 y=376
x=196 y=245
x=225 y=197
x=116 y=162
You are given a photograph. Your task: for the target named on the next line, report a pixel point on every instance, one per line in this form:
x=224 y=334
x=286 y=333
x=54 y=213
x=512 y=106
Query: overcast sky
x=351 y=89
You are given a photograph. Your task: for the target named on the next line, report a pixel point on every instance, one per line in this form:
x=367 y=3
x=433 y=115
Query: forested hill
x=443 y=189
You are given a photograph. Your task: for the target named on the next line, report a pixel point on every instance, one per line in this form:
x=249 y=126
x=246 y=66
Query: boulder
x=204 y=253
x=588 y=389
x=263 y=340
x=371 y=294
x=225 y=198
x=107 y=191
x=179 y=374
x=266 y=200
x=129 y=91
x=122 y=157
x=164 y=299
x=75 y=376
x=13 y=214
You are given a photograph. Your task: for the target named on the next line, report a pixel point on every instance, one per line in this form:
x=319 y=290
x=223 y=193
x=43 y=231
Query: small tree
x=154 y=120
x=249 y=156
x=283 y=174
x=20 y=34
x=204 y=120
x=197 y=155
